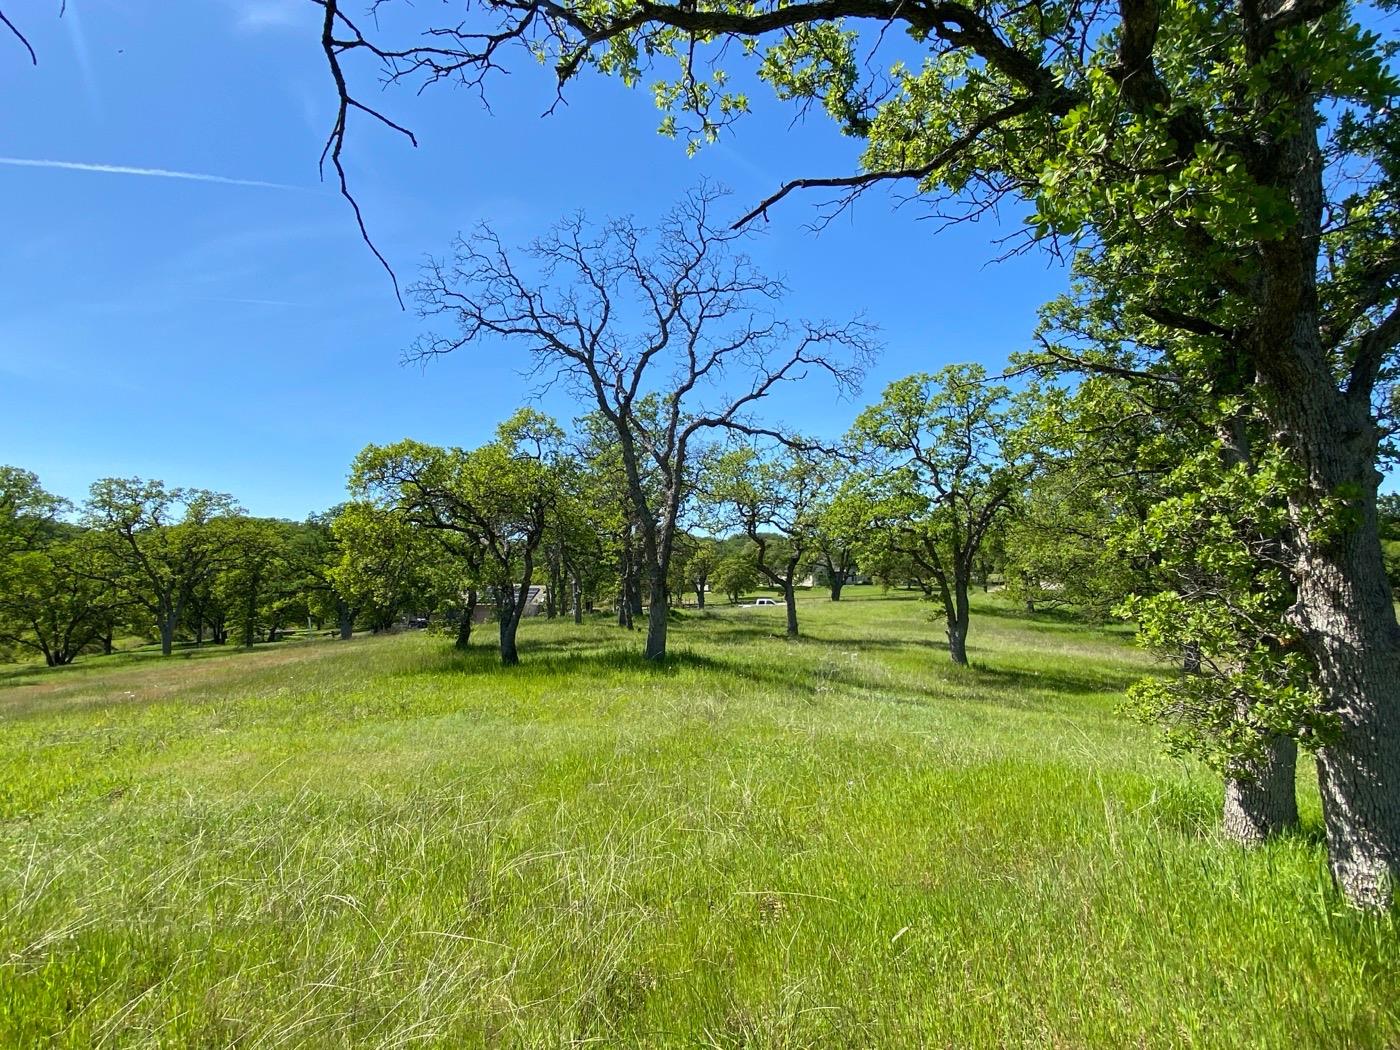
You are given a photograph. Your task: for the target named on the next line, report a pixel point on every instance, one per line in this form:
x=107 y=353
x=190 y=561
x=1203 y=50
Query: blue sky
x=240 y=338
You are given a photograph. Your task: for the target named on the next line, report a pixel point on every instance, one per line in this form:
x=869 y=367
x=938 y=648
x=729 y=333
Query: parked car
x=763 y=601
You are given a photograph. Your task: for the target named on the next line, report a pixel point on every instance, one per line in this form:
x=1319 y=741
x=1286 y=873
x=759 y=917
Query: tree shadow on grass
x=1063 y=619
x=23 y=674
x=573 y=660
x=1078 y=683
x=979 y=683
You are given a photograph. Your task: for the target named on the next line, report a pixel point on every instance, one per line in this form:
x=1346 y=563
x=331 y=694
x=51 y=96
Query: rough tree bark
x=957 y=614
x=1344 y=613
x=1261 y=801
x=658 y=615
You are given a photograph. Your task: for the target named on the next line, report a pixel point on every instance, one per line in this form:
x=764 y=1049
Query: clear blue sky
x=240 y=338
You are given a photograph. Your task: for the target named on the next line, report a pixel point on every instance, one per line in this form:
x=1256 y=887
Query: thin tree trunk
x=577 y=596
x=511 y=601
x=958 y=624
x=1191 y=658
x=508 y=619
x=464 y=623
x=790 y=596
x=1262 y=801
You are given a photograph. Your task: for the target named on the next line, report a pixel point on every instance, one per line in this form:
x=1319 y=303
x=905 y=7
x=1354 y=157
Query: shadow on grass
x=945 y=681
x=572 y=660
x=1064 y=618
x=1079 y=683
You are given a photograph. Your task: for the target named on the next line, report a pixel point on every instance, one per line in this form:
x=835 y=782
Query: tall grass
x=842 y=841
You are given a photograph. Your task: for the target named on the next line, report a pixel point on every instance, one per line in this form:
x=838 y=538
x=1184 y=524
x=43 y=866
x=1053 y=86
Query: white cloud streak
x=158 y=173
x=249 y=302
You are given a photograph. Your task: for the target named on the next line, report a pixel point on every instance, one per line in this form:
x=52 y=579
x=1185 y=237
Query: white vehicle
x=763 y=601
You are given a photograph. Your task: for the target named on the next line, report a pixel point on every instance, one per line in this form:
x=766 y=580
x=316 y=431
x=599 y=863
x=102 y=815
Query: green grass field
x=839 y=842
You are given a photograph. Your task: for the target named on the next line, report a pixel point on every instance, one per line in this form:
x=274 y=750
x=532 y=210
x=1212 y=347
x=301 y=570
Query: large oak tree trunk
x=957 y=642
x=1344 y=613
x=508 y=623
x=1350 y=630
x=1262 y=800
x=657 y=616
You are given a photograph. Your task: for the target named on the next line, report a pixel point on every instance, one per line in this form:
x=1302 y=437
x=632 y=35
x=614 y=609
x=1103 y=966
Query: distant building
x=534 y=603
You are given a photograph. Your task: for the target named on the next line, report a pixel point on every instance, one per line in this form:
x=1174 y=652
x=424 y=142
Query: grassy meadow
x=839 y=842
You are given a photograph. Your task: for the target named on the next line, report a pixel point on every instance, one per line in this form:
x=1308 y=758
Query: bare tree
x=670 y=332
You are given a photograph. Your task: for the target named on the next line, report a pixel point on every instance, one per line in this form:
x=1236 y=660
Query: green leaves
x=1218 y=541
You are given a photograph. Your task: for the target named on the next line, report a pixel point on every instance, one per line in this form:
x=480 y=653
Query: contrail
x=251 y=302
x=159 y=173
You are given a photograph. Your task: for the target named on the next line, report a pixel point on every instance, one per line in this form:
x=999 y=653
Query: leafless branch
x=919 y=172
x=4 y=20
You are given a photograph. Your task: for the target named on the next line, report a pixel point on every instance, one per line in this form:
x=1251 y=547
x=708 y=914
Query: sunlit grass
x=844 y=841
